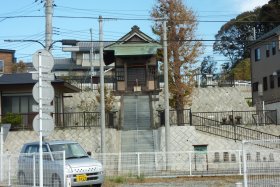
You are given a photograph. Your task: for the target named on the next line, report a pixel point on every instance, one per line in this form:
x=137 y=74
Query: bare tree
x=183 y=49
x=19 y=67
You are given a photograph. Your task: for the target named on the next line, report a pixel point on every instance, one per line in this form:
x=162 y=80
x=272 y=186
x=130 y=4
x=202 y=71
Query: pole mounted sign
x=46 y=58
x=43 y=93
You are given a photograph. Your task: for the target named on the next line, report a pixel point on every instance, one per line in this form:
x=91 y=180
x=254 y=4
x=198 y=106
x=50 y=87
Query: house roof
x=16 y=78
x=134 y=43
x=21 y=79
x=85 y=46
x=273 y=32
x=7 y=51
x=68 y=65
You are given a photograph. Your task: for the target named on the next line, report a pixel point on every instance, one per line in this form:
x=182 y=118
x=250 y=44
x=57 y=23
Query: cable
x=135 y=19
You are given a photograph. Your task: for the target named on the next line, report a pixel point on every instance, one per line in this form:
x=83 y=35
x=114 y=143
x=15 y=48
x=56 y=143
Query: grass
x=118 y=181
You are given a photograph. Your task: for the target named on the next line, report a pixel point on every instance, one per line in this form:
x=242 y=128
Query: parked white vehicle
x=79 y=166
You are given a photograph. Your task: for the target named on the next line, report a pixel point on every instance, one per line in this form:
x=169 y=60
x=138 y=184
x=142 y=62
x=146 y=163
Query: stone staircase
x=137 y=141
x=136 y=113
x=137 y=136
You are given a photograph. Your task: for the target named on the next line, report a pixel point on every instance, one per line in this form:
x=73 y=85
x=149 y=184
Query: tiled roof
x=86 y=46
x=18 y=78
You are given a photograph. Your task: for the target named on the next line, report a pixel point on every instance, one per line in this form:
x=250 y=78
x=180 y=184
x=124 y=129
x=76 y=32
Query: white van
x=79 y=166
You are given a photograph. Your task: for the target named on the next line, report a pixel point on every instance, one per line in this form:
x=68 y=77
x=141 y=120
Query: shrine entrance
x=136 y=76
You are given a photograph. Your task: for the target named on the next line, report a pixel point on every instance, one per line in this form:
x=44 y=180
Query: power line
x=135 y=19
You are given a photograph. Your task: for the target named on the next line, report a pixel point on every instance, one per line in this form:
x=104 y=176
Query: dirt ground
x=224 y=181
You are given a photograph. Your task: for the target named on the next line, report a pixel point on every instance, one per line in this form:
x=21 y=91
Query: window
x=273 y=48
x=200 y=148
x=233 y=157
x=86 y=56
x=257 y=54
x=267 y=52
x=271 y=81
x=35 y=149
x=248 y=156
x=216 y=157
x=120 y=74
x=1 y=66
x=226 y=156
x=17 y=104
x=265 y=83
x=258 y=156
x=255 y=86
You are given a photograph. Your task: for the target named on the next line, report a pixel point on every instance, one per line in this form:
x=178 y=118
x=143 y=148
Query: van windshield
x=72 y=150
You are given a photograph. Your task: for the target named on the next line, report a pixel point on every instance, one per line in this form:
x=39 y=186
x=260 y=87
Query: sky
x=32 y=28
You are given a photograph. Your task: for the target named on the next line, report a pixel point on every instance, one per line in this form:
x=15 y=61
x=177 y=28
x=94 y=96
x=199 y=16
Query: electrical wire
x=136 y=19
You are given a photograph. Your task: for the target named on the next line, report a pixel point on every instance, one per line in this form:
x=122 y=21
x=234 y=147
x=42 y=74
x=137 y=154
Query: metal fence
x=261 y=163
x=235 y=124
x=261 y=166
x=66 y=120
x=256 y=117
x=161 y=164
x=185 y=117
x=23 y=169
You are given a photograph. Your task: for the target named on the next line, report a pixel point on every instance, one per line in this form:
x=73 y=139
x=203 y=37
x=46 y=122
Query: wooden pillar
x=147 y=76
x=125 y=75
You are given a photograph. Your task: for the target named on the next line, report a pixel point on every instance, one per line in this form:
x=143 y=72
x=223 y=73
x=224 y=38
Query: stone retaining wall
x=89 y=138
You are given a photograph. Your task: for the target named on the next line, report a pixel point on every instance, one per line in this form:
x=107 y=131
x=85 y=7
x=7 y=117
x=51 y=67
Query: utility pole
x=102 y=98
x=166 y=95
x=90 y=59
x=48 y=29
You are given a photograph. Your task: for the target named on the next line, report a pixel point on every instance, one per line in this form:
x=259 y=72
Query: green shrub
x=141 y=178
x=11 y=118
x=119 y=179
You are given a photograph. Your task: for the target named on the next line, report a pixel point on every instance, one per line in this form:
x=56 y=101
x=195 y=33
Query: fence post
x=244 y=164
x=34 y=170
x=120 y=162
x=276 y=117
x=138 y=164
x=9 y=171
x=84 y=120
x=235 y=135
x=240 y=162
x=190 y=163
x=190 y=114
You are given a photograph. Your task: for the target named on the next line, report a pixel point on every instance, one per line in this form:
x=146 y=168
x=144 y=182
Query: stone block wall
x=182 y=138
x=88 y=138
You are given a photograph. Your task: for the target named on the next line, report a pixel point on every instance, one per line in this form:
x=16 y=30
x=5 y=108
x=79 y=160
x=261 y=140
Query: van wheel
x=21 y=178
x=56 y=181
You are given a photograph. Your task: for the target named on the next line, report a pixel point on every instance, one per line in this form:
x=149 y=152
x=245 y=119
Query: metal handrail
x=235 y=129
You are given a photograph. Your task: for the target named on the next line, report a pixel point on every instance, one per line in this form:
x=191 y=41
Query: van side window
x=35 y=149
x=31 y=149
